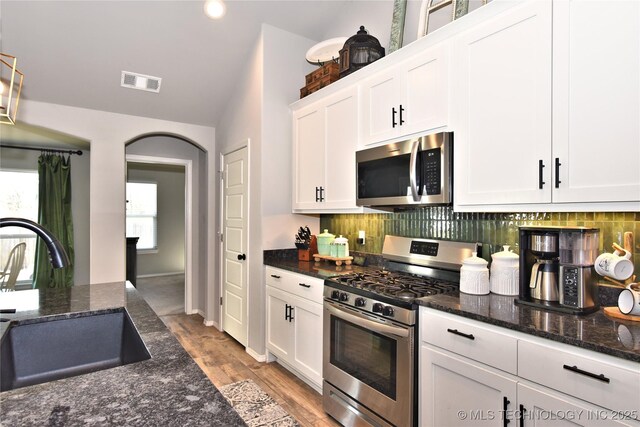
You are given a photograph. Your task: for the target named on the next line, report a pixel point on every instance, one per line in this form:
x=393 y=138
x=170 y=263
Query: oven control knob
x=388 y=311
x=344 y=296
x=360 y=302
x=377 y=308
x=335 y=295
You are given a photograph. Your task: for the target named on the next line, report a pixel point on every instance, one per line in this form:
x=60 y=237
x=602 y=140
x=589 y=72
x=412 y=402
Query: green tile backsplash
x=492 y=229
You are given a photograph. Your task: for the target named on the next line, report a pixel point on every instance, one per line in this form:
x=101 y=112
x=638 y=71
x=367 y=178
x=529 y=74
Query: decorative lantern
x=10 y=87
x=358 y=51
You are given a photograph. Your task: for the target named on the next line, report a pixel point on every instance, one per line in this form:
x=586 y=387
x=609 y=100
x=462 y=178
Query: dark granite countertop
x=169 y=389
x=596 y=331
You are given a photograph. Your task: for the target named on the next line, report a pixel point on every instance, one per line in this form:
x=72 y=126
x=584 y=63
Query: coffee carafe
x=557 y=268
x=543 y=283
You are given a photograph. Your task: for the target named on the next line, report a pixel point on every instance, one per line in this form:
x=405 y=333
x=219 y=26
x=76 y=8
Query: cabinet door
x=341 y=138
x=596 y=137
x=503 y=108
x=279 y=329
x=308 y=156
x=455 y=391
x=307 y=350
x=380 y=103
x=426 y=91
x=542 y=407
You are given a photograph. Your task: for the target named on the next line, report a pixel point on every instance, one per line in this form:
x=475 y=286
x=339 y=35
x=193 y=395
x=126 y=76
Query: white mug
x=629 y=300
x=614 y=265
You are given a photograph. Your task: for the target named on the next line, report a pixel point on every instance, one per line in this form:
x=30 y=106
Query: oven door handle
x=413 y=163
x=369 y=324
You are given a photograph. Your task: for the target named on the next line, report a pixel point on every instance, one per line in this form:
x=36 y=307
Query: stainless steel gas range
x=370 y=330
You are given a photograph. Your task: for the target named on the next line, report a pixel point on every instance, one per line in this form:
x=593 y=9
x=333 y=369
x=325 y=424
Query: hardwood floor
x=225 y=361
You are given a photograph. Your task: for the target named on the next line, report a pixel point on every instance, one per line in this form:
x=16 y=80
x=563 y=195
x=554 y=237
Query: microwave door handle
x=369 y=324
x=413 y=162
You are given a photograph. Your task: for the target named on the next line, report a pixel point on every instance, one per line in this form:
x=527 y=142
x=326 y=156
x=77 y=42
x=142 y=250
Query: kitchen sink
x=35 y=352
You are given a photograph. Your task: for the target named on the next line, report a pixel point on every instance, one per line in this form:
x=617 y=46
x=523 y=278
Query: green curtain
x=54 y=213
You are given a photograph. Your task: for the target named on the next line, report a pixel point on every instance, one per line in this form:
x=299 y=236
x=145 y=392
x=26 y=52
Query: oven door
x=371 y=361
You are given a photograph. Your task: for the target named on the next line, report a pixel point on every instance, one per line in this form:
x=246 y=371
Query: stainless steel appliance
x=370 y=330
x=557 y=268
x=417 y=171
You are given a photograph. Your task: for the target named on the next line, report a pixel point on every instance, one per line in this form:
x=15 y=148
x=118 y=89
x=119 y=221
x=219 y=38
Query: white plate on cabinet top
x=325 y=51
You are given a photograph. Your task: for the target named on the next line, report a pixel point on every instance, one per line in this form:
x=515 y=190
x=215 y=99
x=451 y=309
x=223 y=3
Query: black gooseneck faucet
x=57 y=254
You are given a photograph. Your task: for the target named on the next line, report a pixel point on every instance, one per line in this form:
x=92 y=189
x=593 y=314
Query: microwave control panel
x=432 y=171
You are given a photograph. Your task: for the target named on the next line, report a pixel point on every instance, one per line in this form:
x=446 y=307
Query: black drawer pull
x=577 y=370
x=522 y=411
x=505 y=408
x=304 y=285
x=541 y=182
x=275 y=276
x=462 y=334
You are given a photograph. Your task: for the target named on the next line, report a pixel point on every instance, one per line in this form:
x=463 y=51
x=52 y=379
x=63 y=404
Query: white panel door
x=341 y=138
x=279 y=327
x=308 y=157
x=596 y=131
x=502 y=102
x=542 y=407
x=307 y=320
x=235 y=226
x=380 y=106
x=455 y=391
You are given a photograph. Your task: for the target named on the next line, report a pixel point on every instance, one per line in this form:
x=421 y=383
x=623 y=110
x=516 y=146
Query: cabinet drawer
x=599 y=379
x=297 y=284
x=469 y=338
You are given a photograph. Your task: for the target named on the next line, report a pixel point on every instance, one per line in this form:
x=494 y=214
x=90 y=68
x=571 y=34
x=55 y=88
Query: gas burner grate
x=396 y=285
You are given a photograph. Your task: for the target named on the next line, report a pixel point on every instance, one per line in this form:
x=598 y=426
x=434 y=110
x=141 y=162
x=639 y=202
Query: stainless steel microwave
x=417 y=171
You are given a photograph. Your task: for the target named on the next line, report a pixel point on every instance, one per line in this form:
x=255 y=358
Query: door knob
x=242 y=257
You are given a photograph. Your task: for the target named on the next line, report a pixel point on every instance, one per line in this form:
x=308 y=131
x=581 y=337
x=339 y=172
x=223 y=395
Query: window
x=142 y=213
x=19 y=196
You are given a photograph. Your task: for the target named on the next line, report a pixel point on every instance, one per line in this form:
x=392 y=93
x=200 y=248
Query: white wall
x=170 y=180
x=260 y=114
x=108 y=133
x=16 y=159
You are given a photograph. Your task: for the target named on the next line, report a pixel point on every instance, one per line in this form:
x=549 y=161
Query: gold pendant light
x=10 y=88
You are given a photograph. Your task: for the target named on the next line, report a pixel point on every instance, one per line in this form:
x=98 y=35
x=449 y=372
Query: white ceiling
x=72 y=52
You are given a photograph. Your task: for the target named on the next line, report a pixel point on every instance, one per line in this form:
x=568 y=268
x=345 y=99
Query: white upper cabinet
x=547 y=105
x=502 y=108
x=325 y=135
x=596 y=101
x=406 y=98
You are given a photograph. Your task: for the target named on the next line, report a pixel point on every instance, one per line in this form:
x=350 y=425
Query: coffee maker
x=557 y=268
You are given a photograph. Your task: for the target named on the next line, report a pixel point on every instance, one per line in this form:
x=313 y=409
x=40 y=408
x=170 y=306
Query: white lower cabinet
x=462 y=383
x=294 y=323
x=457 y=391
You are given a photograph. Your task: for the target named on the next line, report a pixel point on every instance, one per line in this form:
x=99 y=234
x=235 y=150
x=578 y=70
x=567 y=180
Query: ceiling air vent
x=140 y=81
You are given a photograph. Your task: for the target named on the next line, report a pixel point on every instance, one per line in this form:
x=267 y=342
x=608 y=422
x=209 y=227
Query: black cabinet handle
x=317 y=192
x=393 y=117
x=275 y=276
x=521 y=416
x=505 y=408
x=577 y=370
x=401 y=110
x=304 y=285
x=541 y=183
x=558 y=164
x=242 y=257
x=7 y=310
x=457 y=332
x=322 y=194
x=288 y=312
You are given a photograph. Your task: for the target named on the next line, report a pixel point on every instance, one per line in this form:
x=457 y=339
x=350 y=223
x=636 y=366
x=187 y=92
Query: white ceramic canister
x=474 y=276
x=505 y=272
x=342 y=246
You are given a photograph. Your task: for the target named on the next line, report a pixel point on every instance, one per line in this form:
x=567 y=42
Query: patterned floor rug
x=255 y=406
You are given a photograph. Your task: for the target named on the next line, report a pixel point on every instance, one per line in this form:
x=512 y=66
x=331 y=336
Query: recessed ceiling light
x=215 y=8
